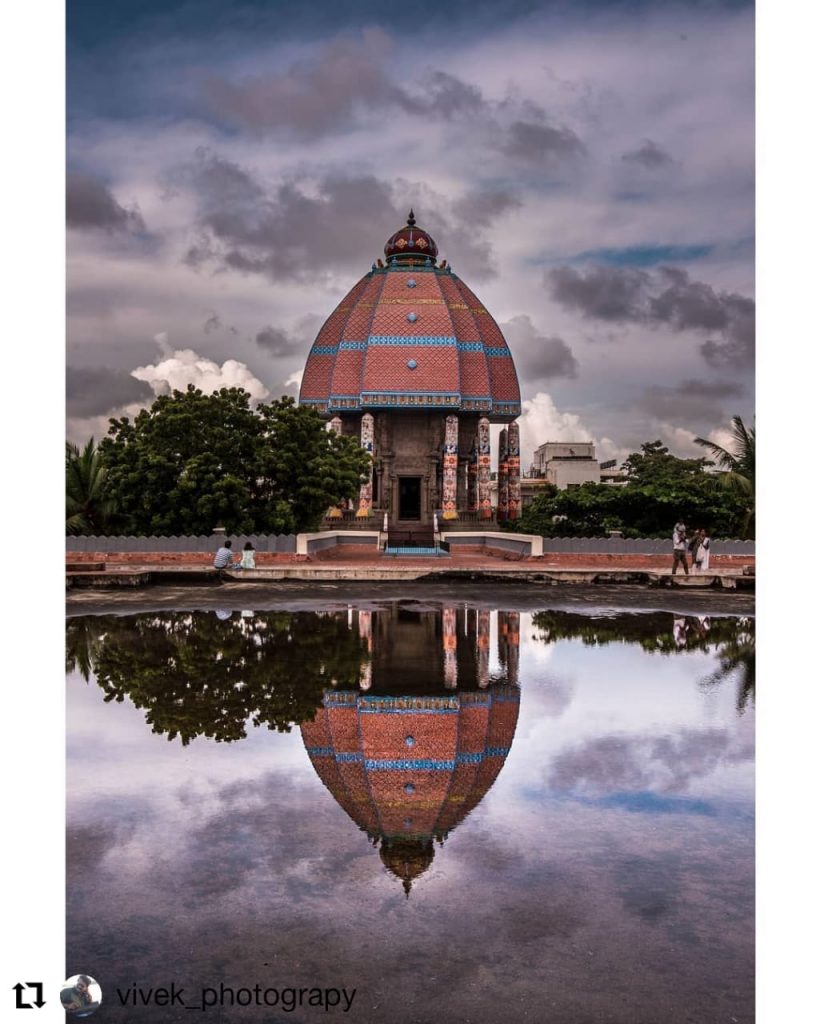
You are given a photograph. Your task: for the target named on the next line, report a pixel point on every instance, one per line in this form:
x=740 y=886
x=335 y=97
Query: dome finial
x=411 y=219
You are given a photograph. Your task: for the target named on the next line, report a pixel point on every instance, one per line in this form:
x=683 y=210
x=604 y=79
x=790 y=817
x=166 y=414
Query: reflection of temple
x=412 y=752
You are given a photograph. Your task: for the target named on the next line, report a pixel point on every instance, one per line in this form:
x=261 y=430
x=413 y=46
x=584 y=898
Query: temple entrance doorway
x=410 y=497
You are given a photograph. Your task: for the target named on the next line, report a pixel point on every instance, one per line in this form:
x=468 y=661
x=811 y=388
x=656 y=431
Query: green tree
x=737 y=467
x=195 y=674
x=194 y=461
x=660 y=488
x=89 y=505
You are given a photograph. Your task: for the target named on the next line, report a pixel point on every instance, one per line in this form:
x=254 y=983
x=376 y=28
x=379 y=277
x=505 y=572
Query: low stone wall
x=507 y=545
x=310 y=544
x=280 y=543
x=136 y=558
x=640 y=546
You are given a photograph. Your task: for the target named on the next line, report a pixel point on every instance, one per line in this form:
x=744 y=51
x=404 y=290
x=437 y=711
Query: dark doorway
x=410 y=497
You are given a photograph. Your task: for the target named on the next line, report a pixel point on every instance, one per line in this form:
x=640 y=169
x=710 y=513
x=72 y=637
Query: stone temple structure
x=413 y=364
x=411 y=751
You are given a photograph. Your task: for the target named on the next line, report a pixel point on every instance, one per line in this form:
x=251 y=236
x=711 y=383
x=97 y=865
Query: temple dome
x=409 y=242
x=410 y=336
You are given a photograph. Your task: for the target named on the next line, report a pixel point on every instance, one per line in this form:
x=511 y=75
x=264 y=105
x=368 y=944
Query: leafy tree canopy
x=660 y=488
x=195 y=461
x=195 y=674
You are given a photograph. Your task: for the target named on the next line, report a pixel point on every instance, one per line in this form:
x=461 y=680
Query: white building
x=566 y=463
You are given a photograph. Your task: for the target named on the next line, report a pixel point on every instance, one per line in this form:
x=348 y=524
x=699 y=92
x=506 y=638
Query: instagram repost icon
x=80 y=995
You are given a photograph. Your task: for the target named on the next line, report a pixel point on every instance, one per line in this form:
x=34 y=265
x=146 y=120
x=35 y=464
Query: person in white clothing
x=703 y=551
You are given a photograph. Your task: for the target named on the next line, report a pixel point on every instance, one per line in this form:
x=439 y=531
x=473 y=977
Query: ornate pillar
x=503 y=477
x=449 y=621
x=485 y=510
x=508 y=644
x=514 y=464
x=472 y=480
x=449 y=473
x=483 y=646
x=366 y=491
x=335 y=427
x=366 y=634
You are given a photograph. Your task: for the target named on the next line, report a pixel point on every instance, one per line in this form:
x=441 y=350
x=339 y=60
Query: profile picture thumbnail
x=80 y=995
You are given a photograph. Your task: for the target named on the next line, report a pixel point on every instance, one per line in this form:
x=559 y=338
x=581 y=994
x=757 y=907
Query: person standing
x=679 y=547
x=703 y=550
x=694 y=549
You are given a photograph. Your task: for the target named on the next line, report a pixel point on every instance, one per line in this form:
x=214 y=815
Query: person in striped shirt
x=224 y=556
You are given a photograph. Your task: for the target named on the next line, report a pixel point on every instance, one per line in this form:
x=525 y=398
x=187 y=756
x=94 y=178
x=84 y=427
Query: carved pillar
x=366 y=491
x=508 y=644
x=449 y=473
x=450 y=643
x=472 y=480
x=483 y=646
x=513 y=646
x=335 y=427
x=366 y=634
x=503 y=477
x=514 y=464
x=485 y=510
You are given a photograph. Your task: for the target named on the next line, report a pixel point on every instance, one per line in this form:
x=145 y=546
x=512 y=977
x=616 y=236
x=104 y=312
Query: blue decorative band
x=470 y=346
x=421 y=764
x=452 y=710
x=352 y=346
x=448 y=393
x=408 y=764
x=323 y=350
x=418 y=339
x=497 y=350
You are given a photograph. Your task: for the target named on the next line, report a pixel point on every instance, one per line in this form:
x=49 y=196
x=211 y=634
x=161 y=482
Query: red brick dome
x=409 y=769
x=408 y=336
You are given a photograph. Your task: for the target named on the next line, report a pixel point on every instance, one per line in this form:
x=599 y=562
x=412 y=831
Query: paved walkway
x=726 y=572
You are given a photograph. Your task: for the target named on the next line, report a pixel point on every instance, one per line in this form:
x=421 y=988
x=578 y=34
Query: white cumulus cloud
x=184 y=367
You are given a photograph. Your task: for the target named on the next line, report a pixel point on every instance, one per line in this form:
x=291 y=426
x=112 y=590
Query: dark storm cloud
x=324 y=93
x=90 y=205
x=541 y=143
x=537 y=356
x=313 y=96
x=667 y=297
x=617 y=294
x=666 y=764
x=649 y=154
x=285 y=231
x=482 y=207
x=689 y=400
x=329 y=92
x=277 y=342
x=94 y=391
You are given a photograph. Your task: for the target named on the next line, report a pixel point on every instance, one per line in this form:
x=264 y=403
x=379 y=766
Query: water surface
x=464 y=813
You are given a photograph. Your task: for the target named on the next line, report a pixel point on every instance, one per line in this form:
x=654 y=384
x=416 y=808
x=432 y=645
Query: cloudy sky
x=233 y=168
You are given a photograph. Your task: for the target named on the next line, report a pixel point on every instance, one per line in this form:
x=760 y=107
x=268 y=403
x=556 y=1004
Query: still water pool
x=463 y=813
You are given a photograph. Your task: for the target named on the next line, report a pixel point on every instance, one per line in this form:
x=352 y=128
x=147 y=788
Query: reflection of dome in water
x=408 y=770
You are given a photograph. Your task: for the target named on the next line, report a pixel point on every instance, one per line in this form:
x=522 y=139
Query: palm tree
x=87 y=507
x=737 y=467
